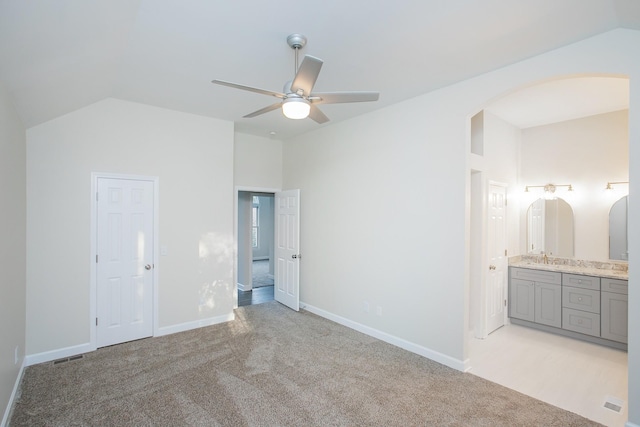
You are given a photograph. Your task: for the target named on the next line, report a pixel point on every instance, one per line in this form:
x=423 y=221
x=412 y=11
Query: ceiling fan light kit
x=296 y=108
x=298 y=101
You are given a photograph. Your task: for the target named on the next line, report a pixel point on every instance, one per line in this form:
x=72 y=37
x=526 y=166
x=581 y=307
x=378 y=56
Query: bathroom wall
x=586 y=153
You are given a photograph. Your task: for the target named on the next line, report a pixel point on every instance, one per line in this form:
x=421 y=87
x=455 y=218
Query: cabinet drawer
x=617 y=286
x=536 y=275
x=581 y=299
x=581 y=321
x=579 y=281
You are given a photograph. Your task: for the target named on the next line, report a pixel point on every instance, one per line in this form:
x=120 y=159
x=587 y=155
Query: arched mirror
x=550 y=228
x=618 y=216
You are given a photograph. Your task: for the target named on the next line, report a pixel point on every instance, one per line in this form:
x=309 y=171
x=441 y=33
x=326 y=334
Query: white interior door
x=287 y=255
x=124 y=260
x=497 y=269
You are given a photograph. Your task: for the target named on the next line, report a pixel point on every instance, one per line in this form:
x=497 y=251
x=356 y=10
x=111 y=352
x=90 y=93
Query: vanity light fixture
x=549 y=189
x=609 y=184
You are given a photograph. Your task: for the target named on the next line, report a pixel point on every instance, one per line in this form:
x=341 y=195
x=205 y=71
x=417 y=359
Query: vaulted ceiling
x=60 y=55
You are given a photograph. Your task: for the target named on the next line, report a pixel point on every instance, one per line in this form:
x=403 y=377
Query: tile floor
x=568 y=373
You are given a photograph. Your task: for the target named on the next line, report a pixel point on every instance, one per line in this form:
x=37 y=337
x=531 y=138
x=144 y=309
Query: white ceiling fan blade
x=264 y=110
x=342 y=97
x=249 y=88
x=307 y=75
x=316 y=115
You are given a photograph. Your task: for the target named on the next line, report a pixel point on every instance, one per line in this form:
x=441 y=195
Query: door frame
x=236 y=195
x=93 y=300
x=477 y=251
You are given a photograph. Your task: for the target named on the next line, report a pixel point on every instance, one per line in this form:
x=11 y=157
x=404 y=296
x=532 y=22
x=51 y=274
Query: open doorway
x=516 y=150
x=255 y=247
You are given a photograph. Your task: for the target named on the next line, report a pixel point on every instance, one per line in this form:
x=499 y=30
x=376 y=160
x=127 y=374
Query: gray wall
x=12 y=246
x=586 y=153
x=193 y=158
x=265 y=249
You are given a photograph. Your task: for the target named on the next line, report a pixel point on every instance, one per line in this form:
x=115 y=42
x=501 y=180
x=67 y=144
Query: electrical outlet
x=379 y=311
x=16 y=358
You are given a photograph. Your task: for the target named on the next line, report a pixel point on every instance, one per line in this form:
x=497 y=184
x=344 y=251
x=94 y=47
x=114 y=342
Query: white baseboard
x=187 y=326
x=48 y=356
x=244 y=288
x=391 y=339
x=61 y=353
x=12 y=398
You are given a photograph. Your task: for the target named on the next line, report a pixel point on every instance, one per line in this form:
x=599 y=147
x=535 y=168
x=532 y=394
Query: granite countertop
x=611 y=270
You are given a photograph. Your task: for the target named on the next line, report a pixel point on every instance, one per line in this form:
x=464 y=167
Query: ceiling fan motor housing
x=297 y=41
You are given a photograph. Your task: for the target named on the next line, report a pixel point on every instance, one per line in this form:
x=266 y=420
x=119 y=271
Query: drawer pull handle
x=580 y=299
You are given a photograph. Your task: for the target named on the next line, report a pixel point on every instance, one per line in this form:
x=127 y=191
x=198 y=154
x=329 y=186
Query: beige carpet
x=270 y=367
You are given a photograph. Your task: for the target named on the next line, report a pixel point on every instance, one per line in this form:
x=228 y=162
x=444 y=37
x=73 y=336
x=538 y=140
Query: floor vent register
x=67 y=359
x=613 y=403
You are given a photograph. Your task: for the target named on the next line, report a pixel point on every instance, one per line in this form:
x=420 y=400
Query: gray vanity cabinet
x=535 y=296
x=615 y=309
x=591 y=308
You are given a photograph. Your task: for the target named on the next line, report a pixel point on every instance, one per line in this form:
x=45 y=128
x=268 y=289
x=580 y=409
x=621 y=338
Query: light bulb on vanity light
x=549 y=192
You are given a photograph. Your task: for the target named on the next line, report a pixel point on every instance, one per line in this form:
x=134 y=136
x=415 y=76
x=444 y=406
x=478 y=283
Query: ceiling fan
x=297 y=99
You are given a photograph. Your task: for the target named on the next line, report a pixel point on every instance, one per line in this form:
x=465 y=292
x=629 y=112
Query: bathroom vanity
x=584 y=300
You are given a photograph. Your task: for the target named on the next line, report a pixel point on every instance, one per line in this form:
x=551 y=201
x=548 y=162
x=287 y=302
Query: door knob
x=147 y=267
x=296 y=256
x=492 y=267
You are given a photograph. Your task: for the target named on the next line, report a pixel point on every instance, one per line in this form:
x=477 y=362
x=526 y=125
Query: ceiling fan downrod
x=296 y=42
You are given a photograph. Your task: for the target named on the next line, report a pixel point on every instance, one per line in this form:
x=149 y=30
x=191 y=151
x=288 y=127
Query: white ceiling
x=60 y=55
